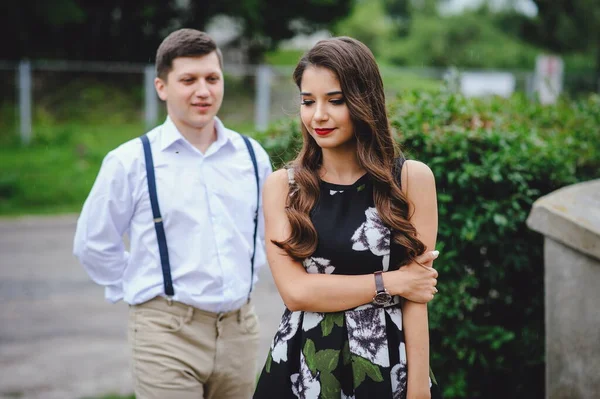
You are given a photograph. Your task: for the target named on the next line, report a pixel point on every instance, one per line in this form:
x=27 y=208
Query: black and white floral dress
x=357 y=353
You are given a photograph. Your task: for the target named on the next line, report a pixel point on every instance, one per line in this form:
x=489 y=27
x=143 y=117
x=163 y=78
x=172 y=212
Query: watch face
x=382 y=298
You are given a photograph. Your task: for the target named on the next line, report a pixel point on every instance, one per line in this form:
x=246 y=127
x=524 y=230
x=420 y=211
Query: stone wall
x=570 y=221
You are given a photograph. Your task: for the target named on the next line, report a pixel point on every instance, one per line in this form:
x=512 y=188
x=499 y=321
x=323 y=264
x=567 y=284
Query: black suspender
x=158 y=223
x=253 y=157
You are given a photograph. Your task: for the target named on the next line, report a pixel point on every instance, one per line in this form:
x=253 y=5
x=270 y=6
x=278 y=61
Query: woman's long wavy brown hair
x=361 y=84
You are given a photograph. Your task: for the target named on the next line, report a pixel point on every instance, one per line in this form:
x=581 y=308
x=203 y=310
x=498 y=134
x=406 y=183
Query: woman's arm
x=419 y=185
x=327 y=292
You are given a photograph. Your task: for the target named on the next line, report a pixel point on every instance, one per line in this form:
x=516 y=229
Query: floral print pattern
x=311 y=320
x=318 y=265
x=367 y=335
x=373 y=235
x=305 y=385
x=287 y=329
x=399 y=379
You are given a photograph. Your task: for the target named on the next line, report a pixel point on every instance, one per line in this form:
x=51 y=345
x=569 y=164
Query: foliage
x=565 y=25
x=266 y=22
x=411 y=33
x=285 y=57
x=368 y=23
x=469 y=40
x=492 y=159
x=131 y=31
x=396 y=81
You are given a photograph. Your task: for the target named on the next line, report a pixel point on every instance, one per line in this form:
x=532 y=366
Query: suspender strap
x=254 y=164
x=158 y=222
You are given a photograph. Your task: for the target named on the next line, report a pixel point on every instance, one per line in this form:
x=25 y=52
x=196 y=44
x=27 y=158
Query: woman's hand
x=415 y=281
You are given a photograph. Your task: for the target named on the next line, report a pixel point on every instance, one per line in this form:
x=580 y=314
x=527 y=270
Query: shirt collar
x=170 y=134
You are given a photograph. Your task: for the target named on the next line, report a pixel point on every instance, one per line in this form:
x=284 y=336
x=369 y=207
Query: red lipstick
x=323 y=132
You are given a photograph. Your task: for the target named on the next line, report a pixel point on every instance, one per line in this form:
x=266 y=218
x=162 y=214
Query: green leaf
x=327 y=325
x=338 y=319
x=309 y=355
x=362 y=367
x=327 y=360
x=432 y=376
x=330 y=386
x=329 y=320
x=269 y=361
x=500 y=220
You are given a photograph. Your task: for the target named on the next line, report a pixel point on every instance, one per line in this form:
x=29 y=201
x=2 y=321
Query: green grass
x=56 y=172
x=396 y=81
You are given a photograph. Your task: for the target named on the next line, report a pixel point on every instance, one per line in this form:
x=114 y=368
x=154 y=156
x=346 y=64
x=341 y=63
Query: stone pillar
x=569 y=219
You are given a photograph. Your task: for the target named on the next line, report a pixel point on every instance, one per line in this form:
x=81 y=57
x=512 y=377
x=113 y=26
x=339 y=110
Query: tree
x=130 y=30
x=265 y=23
x=115 y=30
x=565 y=26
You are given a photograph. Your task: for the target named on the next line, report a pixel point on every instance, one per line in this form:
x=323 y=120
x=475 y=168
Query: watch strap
x=379 y=282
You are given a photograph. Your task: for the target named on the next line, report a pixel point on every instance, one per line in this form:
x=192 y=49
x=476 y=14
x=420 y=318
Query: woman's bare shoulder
x=417 y=175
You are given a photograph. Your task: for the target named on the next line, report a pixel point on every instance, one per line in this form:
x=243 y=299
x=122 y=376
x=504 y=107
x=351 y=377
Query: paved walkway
x=58 y=337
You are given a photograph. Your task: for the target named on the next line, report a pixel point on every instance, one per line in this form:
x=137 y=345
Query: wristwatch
x=382 y=297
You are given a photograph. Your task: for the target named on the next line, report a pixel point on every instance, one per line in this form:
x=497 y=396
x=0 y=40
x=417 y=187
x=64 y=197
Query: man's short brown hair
x=184 y=43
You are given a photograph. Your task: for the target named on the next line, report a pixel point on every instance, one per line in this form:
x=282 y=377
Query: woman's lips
x=323 y=132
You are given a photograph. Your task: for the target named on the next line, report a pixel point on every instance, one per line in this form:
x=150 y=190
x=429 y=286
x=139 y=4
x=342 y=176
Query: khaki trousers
x=180 y=352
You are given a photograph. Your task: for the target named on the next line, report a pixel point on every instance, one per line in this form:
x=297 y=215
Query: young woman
x=349 y=228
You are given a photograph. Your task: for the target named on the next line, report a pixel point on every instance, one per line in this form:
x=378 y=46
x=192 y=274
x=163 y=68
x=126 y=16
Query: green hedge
x=492 y=159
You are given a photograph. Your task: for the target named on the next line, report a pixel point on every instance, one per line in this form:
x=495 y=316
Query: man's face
x=193 y=91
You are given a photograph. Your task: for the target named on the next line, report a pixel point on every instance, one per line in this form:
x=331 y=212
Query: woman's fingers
x=426 y=260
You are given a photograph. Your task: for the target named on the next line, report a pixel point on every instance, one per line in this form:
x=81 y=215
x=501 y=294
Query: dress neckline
x=358 y=182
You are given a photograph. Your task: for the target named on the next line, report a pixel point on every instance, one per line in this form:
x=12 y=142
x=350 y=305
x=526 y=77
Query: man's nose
x=202 y=89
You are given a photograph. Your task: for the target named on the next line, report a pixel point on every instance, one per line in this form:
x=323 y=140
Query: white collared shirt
x=207 y=202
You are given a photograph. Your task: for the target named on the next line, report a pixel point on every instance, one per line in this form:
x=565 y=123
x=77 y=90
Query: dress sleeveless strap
x=397 y=169
x=291 y=181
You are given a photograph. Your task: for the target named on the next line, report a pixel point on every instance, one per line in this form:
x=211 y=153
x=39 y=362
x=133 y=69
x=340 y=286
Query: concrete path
x=58 y=337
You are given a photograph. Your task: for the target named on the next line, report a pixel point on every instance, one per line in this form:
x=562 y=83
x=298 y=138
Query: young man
x=187 y=195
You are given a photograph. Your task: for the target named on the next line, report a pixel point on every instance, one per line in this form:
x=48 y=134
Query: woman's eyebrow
x=331 y=93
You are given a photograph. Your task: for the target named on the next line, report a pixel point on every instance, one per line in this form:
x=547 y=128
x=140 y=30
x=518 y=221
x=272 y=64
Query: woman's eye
x=306 y=102
x=338 y=101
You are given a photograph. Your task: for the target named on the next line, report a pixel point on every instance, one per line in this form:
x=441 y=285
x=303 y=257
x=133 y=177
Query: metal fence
x=254 y=95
